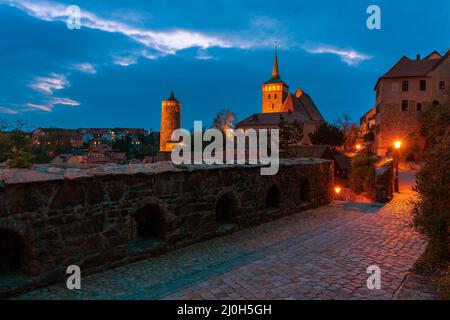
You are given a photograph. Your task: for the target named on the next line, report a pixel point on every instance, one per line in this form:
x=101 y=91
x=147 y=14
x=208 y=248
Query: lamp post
x=397 y=145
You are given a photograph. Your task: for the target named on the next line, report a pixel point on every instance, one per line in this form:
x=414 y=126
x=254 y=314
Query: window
x=273 y=105
x=423 y=85
x=419 y=107
x=405 y=105
x=269 y=95
x=441 y=85
x=405 y=85
x=275 y=96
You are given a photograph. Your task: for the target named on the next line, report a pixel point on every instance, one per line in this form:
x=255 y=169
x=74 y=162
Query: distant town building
x=100 y=153
x=408 y=89
x=83 y=136
x=278 y=101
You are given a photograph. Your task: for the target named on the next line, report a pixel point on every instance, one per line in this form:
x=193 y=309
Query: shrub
x=20 y=159
x=431 y=212
x=362 y=175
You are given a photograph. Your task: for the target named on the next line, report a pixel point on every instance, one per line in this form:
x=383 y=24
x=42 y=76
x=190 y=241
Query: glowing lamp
x=337 y=190
x=397 y=144
x=358 y=146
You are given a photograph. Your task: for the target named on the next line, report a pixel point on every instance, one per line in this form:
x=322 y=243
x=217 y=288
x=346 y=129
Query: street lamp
x=397 y=145
x=337 y=190
x=358 y=147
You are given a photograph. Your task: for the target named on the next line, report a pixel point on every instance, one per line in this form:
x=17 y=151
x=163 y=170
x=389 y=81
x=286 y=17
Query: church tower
x=170 y=121
x=274 y=91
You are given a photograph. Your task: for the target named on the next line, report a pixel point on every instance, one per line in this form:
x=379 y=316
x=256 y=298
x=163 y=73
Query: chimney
x=418 y=57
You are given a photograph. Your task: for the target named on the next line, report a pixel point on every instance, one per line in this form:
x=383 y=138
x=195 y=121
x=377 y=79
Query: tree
x=20 y=159
x=328 y=134
x=431 y=212
x=291 y=133
x=350 y=130
x=54 y=142
x=224 y=120
x=13 y=136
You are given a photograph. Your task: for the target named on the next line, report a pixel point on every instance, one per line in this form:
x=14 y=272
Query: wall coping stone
x=40 y=173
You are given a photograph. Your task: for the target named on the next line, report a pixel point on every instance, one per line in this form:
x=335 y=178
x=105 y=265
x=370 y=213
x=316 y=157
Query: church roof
x=275 y=80
x=302 y=102
x=272 y=119
x=309 y=106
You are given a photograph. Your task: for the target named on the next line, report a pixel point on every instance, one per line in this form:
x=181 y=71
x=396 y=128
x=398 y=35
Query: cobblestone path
x=317 y=254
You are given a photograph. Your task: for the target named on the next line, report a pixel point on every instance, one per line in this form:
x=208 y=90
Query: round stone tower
x=170 y=121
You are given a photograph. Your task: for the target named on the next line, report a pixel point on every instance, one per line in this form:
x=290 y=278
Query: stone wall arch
x=16 y=249
x=227 y=207
x=273 y=197
x=149 y=224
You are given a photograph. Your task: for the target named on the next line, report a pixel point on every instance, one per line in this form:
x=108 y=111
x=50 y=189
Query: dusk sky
x=128 y=55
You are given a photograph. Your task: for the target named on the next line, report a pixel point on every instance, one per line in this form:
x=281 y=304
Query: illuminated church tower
x=170 y=120
x=274 y=91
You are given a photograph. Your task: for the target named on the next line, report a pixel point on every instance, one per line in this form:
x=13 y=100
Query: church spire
x=275 y=72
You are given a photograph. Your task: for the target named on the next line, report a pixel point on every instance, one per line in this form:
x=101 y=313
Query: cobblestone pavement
x=317 y=254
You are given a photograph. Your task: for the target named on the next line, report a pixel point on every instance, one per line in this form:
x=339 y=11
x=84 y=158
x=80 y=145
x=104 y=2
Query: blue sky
x=128 y=55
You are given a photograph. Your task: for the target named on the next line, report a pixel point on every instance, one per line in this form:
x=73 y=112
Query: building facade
x=409 y=88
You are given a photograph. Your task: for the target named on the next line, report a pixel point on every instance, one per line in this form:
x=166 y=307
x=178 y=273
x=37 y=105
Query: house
x=408 y=89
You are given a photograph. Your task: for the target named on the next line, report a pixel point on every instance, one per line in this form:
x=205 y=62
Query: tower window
x=405 y=85
x=442 y=85
x=423 y=85
x=419 y=107
x=269 y=95
x=405 y=105
x=273 y=106
x=275 y=95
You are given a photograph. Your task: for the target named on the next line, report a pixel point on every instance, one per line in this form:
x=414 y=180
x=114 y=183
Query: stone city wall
x=103 y=217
